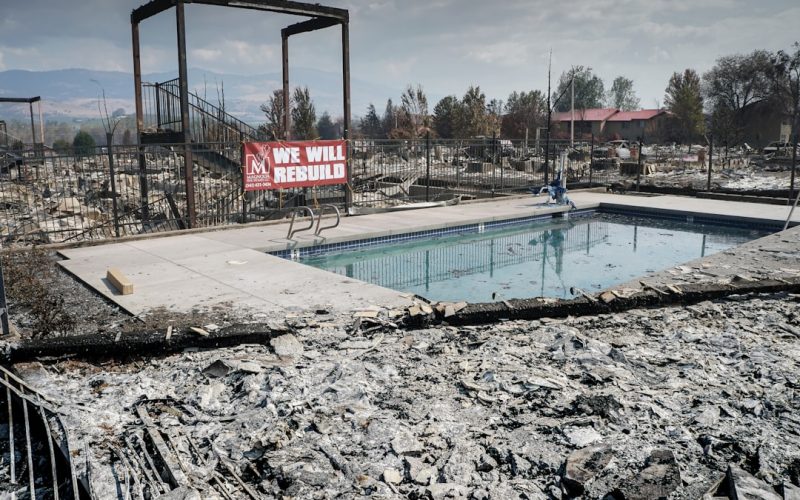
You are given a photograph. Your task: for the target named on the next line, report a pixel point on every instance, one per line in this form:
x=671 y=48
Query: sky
x=444 y=45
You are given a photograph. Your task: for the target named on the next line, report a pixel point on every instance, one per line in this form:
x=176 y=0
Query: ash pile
x=676 y=402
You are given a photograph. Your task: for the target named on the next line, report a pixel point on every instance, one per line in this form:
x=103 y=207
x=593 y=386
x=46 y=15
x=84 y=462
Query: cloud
x=508 y=54
x=401 y=67
x=442 y=44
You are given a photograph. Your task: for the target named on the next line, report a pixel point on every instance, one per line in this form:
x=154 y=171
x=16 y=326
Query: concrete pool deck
x=229 y=268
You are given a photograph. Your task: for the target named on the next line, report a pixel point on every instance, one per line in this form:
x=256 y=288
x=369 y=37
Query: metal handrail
x=791 y=212
x=322 y=208
x=206 y=109
x=294 y=215
x=319 y=218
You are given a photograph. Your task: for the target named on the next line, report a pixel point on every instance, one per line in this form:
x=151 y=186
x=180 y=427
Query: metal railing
x=40 y=462
x=113 y=191
x=208 y=122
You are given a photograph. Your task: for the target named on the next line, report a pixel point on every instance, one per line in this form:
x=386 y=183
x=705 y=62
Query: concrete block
x=119 y=281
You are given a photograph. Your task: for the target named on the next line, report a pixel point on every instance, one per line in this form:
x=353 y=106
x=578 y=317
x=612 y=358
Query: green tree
x=524 y=112
x=83 y=144
x=446 y=114
x=274 y=112
x=304 y=116
x=326 y=128
x=390 y=119
x=370 y=124
x=472 y=121
x=622 y=96
x=589 y=90
x=684 y=100
x=62 y=146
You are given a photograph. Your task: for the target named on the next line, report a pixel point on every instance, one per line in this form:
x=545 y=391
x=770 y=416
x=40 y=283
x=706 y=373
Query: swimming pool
x=541 y=258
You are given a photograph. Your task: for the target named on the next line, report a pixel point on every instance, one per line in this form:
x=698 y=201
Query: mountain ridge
x=74 y=92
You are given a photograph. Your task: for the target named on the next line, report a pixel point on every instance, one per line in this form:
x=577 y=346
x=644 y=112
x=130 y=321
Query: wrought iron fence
x=387 y=171
x=108 y=192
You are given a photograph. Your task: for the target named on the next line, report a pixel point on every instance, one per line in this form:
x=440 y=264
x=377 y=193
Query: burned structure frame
x=29 y=101
x=321 y=17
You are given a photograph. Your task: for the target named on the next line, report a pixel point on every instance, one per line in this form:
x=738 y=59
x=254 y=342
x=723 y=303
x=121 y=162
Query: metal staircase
x=212 y=129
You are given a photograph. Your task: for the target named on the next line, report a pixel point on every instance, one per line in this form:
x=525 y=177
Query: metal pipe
x=319 y=218
x=31 y=479
x=294 y=215
x=428 y=166
x=49 y=439
x=791 y=212
x=12 y=455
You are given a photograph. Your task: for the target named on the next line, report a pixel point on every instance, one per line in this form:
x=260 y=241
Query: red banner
x=282 y=165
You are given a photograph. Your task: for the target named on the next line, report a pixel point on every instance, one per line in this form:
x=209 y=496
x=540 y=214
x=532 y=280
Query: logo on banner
x=281 y=165
x=258 y=167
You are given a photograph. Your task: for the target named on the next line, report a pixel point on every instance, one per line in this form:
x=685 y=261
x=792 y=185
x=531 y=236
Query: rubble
x=637 y=404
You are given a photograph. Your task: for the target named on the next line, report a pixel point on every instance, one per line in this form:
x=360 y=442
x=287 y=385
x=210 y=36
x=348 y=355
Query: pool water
x=534 y=259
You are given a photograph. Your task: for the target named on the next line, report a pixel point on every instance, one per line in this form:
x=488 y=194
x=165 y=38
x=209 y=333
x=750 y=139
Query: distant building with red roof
x=611 y=123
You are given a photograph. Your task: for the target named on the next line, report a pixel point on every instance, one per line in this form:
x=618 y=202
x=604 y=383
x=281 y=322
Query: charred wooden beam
x=26 y=100
x=318 y=23
x=150 y=9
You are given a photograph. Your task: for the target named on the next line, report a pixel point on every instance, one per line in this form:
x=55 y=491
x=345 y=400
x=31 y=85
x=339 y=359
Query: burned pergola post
x=29 y=101
x=315 y=24
x=320 y=17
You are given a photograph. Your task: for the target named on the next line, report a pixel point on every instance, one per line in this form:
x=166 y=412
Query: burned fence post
x=428 y=166
x=794 y=168
x=244 y=193
x=591 y=160
x=639 y=166
x=710 y=159
x=4 y=311
x=494 y=160
x=114 y=208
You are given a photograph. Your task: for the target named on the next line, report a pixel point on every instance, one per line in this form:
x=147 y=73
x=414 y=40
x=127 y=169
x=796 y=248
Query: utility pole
x=572 y=111
x=549 y=119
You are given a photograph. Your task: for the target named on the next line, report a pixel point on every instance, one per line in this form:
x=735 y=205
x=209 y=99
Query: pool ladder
x=307 y=210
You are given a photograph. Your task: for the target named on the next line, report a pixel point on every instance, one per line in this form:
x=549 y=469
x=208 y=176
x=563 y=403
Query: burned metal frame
x=29 y=101
x=321 y=17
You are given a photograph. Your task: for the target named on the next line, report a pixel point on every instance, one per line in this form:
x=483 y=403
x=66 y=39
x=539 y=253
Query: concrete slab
x=228 y=268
